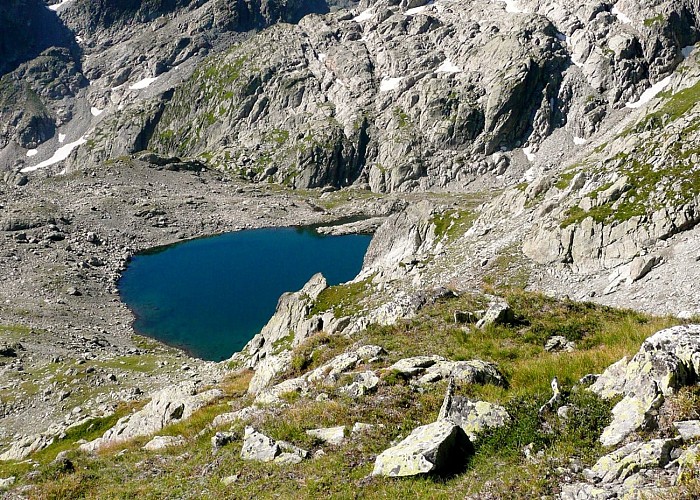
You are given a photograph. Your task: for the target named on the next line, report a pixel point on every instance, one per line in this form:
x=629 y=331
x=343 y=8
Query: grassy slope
x=603 y=335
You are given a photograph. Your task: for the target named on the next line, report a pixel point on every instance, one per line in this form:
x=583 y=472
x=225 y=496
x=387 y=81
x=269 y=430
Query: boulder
x=472 y=371
x=499 y=312
x=259 y=447
x=689 y=429
x=558 y=343
x=363 y=383
x=641 y=266
x=440 y=447
x=221 y=439
x=330 y=435
x=162 y=442
x=410 y=367
x=474 y=417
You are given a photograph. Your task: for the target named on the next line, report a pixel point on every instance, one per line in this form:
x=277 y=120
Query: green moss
x=565 y=179
x=343 y=300
x=651 y=21
x=452 y=224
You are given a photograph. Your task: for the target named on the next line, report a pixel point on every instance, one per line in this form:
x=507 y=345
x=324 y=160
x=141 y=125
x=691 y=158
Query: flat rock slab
x=434 y=448
x=162 y=442
x=689 y=429
x=330 y=435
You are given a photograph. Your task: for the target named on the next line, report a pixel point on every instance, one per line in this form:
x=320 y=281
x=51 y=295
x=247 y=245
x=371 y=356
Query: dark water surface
x=212 y=295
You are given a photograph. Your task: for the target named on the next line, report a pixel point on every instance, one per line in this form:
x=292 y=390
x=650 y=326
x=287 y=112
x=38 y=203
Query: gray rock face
x=23 y=447
x=304 y=105
x=666 y=361
x=434 y=448
x=269 y=351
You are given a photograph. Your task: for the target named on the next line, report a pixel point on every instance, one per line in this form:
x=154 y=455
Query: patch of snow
x=530 y=175
x=415 y=10
x=579 y=141
x=448 y=66
x=529 y=154
x=649 y=93
x=576 y=63
x=79 y=39
x=60 y=155
x=322 y=57
x=61 y=137
x=388 y=84
x=57 y=6
x=142 y=84
x=32 y=152
x=686 y=51
x=620 y=16
x=96 y=111
x=364 y=16
x=512 y=7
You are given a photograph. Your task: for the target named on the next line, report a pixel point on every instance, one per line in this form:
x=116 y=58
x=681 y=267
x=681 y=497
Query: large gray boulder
x=475 y=417
x=434 y=448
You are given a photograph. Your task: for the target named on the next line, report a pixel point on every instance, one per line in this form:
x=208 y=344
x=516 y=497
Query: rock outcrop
x=166 y=406
x=666 y=361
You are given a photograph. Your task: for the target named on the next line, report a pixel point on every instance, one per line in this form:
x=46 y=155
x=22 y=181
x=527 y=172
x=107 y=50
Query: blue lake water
x=210 y=296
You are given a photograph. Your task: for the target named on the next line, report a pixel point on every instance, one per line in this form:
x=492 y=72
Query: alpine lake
x=210 y=296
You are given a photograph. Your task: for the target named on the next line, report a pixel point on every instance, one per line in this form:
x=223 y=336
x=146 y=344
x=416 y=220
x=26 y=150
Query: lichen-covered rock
x=622 y=463
x=362 y=384
x=474 y=417
x=585 y=491
x=474 y=371
x=434 y=448
x=689 y=464
x=259 y=447
x=666 y=361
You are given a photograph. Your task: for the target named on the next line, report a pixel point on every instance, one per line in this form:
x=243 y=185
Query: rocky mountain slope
x=528 y=164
